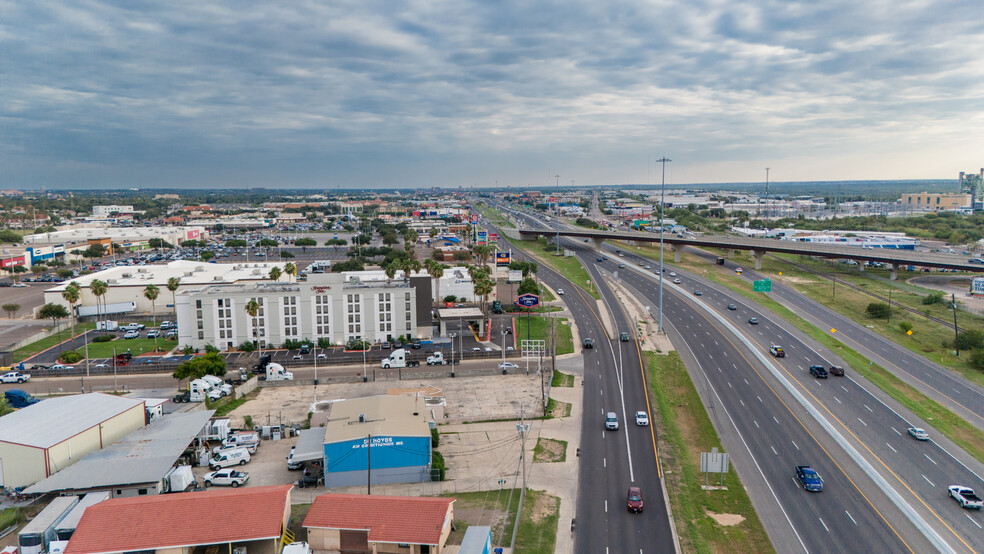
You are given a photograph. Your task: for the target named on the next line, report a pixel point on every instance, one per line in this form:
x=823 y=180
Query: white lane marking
x=756 y=424
x=896 y=431
x=838 y=400
x=729 y=385
x=774 y=450
x=734 y=366
x=849 y=515
x=760 y=398
x=842 y=386
x=606 y=506
x=794 y=444
x=799 y=366
x=930 y=459
x=746 y=381
x=927 y=480
x=890 y=446
x=742 y=402
x=869 y=409
x=716 y=343
x=824 y=524
x=776 y=420
x=972 y=521
x=862 y=422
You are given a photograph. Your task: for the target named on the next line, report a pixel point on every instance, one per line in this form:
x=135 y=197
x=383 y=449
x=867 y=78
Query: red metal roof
x=181 y=519
x=396 y=519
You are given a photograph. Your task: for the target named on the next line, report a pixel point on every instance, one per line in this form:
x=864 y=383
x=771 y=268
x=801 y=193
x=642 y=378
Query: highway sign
x=528 y=300
x=765 y=285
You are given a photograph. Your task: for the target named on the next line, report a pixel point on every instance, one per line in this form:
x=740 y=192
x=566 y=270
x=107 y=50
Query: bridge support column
x=757 y=256
x=598 y=243
x=860 y=265
x=732 y=253
x=894 y=274
x=677 y=250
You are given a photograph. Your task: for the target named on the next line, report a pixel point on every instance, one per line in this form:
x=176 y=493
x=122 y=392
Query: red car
x=634 y=500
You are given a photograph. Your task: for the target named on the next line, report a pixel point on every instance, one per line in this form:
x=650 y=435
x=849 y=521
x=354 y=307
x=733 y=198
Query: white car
x=131 y=335
x=101 y=366
x=918 y=433
x=228 y=477
x=153 y=334
x=508 y=365
x=322 y=356
x=60 y=367
x=133 y=326
x=642 y=419
x=560 y=292
x=15 y=377
x=488 y=349
x=18 y=285
x=676 y=281
x=673 y=274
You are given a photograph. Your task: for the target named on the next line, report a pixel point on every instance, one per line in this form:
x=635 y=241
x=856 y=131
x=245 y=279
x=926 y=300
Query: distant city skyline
x=361 y=95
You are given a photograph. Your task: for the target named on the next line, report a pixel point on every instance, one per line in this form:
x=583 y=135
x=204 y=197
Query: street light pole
x=452 y=335
x=662 y=210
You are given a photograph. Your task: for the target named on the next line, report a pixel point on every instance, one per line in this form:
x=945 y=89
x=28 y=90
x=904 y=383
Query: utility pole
x=662 y=209
x=767 y=194
x=557 y=203
x=522 y=427
x=369 y=464
x=956 y=335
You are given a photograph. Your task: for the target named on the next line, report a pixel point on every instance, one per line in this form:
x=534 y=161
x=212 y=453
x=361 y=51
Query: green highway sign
x=764 y=285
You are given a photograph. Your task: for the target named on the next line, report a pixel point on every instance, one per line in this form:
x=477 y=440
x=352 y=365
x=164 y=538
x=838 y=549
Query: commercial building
x=251 y=519
x=127 y=283
x=81 y=238
x=363 y=523
x=932 y=201
x=328 y=305
x=47 y=437
x=111 y=210
x=398 y=427
x=135 y=465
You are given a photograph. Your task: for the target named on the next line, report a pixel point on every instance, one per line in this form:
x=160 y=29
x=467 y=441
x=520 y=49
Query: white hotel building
x=330 y=305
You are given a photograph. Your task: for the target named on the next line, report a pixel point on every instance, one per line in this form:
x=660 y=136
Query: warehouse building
x=136 y=465
x=81 y=237
x=44 y=438
x=327 y=305
x=127 y=283
x=397 y=427
x=251 y=519
x=363 y=523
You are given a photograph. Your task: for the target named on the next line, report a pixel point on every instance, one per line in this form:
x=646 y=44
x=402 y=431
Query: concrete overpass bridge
x=760 y=246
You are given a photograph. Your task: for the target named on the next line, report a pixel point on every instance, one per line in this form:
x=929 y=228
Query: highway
x=776 y=435
x=611 y=461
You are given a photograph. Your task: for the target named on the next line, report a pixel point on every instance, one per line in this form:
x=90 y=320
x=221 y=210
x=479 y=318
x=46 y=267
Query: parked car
x=918 y=433
x=634 y=499
x=228 y=477
x=153 y=334
x=133 y=326
x=61 y=367
x=508 y=365
x=131 y=335
x=235 y=456
x=642 y=419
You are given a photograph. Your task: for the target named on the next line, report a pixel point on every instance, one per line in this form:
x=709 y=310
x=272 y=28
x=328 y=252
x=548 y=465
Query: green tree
x=207 y=255
x=11 y=310
x=905 y=326
x=210 y=363
x=72 y=294
x=268 y=244
x=236 y=243
x=970 y=339
x=285 y=254
x=878 y=310
x=436 y=270
x=935 y=297
x=98 y=288
x=246 y=346
x=389 y=239
x=290 y=269
x=54 y=312
x=172 y=285
x=151 y=292
x=65 y=273
x=336 y=242
x=275 y=273
x=305 y=242
x=253 y=309
x=483 y=252
x=977 y=359
x=528 y=286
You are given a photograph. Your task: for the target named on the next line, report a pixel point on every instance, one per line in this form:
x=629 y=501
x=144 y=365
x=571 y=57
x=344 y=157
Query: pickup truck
x=818 y=371
x=965 y=497
x=15 y=377
x=809 y=478
x=777 y=351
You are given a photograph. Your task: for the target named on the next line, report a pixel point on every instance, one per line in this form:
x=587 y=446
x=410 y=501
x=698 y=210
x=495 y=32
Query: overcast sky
x=456 y=92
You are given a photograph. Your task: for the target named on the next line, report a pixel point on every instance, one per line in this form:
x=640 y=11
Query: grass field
x=135 y=346
x=537 y=526
x=687 y=431
x=539 y=330
x=568 y=266
x=494 y=216
x=37 y=347
x=561 y=379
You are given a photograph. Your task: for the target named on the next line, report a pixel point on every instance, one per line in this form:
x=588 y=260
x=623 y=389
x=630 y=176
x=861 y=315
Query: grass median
x=568 y=266
x=494 y=216
x=134 y=346
x=497 y=509
x=706 y=520
x=39 y=346
x=539 y=329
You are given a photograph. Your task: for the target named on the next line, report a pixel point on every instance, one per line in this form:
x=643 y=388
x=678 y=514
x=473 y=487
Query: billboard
x=482 y=237
x=977 y=286
x=493 y=237
x=474 y=219
x=528 y=300
x=193 y=234
x=514 y=276
x=502 y=259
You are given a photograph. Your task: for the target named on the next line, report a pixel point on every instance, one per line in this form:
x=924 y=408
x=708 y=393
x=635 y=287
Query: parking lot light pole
x=452 y=335
x=503 y=345
x=662 y=210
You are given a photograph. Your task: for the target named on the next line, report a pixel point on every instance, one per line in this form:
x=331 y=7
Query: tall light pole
x=767 y=193
x=662 y=209
x=557 y=203
x=452 y=335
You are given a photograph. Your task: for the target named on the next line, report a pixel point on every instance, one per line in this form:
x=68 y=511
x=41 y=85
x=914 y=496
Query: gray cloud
x=374 y=93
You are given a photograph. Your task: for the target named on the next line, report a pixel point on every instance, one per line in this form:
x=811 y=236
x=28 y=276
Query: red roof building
x=362 y=523
x=254 y=517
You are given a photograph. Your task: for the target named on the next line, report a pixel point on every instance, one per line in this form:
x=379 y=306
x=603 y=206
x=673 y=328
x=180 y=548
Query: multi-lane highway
x=612 y=461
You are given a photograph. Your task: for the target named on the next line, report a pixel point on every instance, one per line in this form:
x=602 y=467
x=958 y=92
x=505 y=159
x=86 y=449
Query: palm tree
x=483 y=251
x=71 y=294
x=436 y=270
x=409 y=265
x=151 y=292
x=275 y=273
x=391 y=269
x=172 y=285
x=290 y=269
x=253 y=309
x=98 y=288
x=483 y=287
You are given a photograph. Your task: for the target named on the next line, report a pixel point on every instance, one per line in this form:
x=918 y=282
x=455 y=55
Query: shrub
x=878 y=310
x=437 y=466
x=970 y=339
x=70 y=357
x=324 y=342
x=977 y=359
x=450 y=298
x=435 y=438
x=905 y=326
x=102 y=338
x=935 y=297
x=248 y=421
x=245 y=346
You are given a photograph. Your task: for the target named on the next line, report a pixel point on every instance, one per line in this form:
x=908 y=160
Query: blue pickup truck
x=809 y=478
x=18 y=399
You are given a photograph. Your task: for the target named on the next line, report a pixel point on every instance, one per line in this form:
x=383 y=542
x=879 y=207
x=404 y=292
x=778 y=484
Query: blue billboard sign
x=528 y=300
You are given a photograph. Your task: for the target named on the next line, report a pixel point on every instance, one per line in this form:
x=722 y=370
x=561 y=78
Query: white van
x=227 y=458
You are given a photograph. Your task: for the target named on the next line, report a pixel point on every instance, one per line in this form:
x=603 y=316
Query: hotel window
x=321 y=310
x=290 y=316
x=353 y=305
